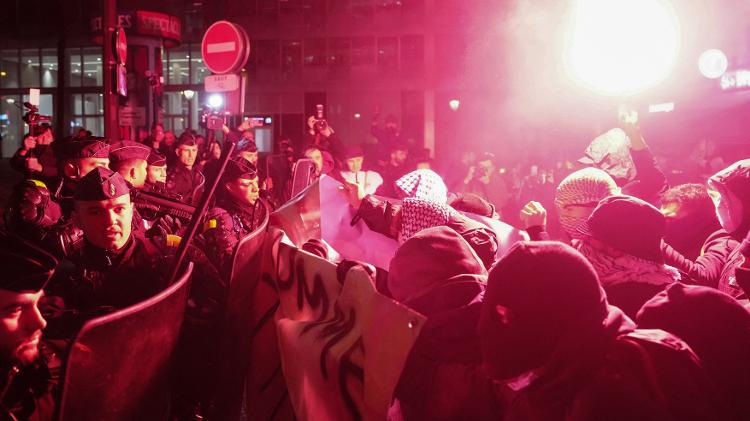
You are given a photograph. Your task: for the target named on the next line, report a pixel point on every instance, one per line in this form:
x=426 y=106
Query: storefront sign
x=145 y=23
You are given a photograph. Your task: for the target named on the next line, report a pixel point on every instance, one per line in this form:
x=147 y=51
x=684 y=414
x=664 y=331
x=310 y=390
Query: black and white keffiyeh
x=424 y=185
x=418 y=214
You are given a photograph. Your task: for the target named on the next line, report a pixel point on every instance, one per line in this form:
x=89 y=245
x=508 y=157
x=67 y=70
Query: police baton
x=200 y=210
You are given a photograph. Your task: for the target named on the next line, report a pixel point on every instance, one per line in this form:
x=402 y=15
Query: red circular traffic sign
x=121 y=46
x=225 y=47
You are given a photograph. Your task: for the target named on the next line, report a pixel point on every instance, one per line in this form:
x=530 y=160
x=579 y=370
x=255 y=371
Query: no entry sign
x=225 y=47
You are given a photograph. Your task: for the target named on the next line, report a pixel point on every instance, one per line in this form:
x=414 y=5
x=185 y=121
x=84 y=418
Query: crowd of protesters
x=627 y=302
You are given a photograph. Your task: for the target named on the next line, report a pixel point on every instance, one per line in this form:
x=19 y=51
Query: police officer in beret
x=156 y=172
x=130 y=159
x=40 y=211
x=237 y=213
x=29 y=367
x=184 y=178
x=116 y=267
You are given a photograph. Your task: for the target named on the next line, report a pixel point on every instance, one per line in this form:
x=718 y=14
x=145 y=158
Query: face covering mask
x=570 y=224
x=728 y=206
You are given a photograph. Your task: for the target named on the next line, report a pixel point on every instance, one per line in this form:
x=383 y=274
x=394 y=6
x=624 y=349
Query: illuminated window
x=91 y=71
x=9 y=69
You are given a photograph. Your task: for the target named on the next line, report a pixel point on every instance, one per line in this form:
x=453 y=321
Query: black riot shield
x=118 y=365
x=238 y=334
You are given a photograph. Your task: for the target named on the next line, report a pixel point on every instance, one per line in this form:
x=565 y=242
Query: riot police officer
x=40 y=211
x=116 y=267
x=29 y=367
x=184 y=177
x=237 y=213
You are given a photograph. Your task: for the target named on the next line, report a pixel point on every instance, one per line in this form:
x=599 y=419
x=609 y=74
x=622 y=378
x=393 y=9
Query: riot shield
x=118 y=365
x=303 y=175
x=300 y=216
x=238 y=325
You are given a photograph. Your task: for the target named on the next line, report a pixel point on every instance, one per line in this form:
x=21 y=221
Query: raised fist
x=533 y=214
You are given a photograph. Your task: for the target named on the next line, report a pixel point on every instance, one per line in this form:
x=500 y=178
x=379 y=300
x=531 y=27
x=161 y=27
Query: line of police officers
x=75 y=247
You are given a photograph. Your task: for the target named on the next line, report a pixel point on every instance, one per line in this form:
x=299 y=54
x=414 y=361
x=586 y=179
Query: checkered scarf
x=417 y=214
x=424 y=185
x=585 y=186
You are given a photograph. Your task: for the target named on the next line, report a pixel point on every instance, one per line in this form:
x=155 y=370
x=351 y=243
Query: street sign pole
x=109 y=22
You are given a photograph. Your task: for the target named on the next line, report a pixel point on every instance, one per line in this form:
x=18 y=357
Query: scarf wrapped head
x=424 y=185
x=584 y=187
x=418 y=214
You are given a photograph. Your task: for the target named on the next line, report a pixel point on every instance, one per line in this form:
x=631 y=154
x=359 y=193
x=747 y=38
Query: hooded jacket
x=719 y=264
x=437 y=274
x=717 y=328
x=547 y=331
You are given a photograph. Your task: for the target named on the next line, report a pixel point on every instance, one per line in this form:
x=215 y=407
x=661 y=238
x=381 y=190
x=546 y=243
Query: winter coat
x=437 y=274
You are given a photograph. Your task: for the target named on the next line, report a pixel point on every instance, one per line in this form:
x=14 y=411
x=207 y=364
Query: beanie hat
x=628 y=224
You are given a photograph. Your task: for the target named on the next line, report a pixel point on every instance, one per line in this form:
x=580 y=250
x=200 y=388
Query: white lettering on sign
x=221 y=83
x=221 y=47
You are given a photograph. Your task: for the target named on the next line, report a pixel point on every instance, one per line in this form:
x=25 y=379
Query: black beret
x=155 y=159
x=73 y=148
x=127 y=149
x=239 y=167
x=25 y=267
x=101 y=184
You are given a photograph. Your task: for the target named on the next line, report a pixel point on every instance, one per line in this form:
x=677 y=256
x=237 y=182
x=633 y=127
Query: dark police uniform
x=27 y=392
x=94 y=281
x=40 y=211
x=188 y=183
x=229 y=221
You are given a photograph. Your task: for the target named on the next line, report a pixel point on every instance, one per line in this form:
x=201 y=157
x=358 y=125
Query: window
x=198 y=69
x=362 y=11
x=388 y=55
x=363 y=51
x=88 y=112
x=412 y=54
x=11 y=127
x=175 y=112
x=30 y=63
x=49 y=68
x=339 y=56
x=9 y=69
x=74 y=61
x=267 y=54
x=291 y=59
x=179 y=65
x=91 y=73
x=315 y=51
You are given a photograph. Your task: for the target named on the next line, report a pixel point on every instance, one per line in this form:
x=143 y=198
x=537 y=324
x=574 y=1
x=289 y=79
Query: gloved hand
x=167 y=225
x=35 y=207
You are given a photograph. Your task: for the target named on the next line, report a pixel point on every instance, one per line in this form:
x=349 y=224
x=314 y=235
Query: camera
x=320 y=120
x=32 y=116
x=212 y=119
